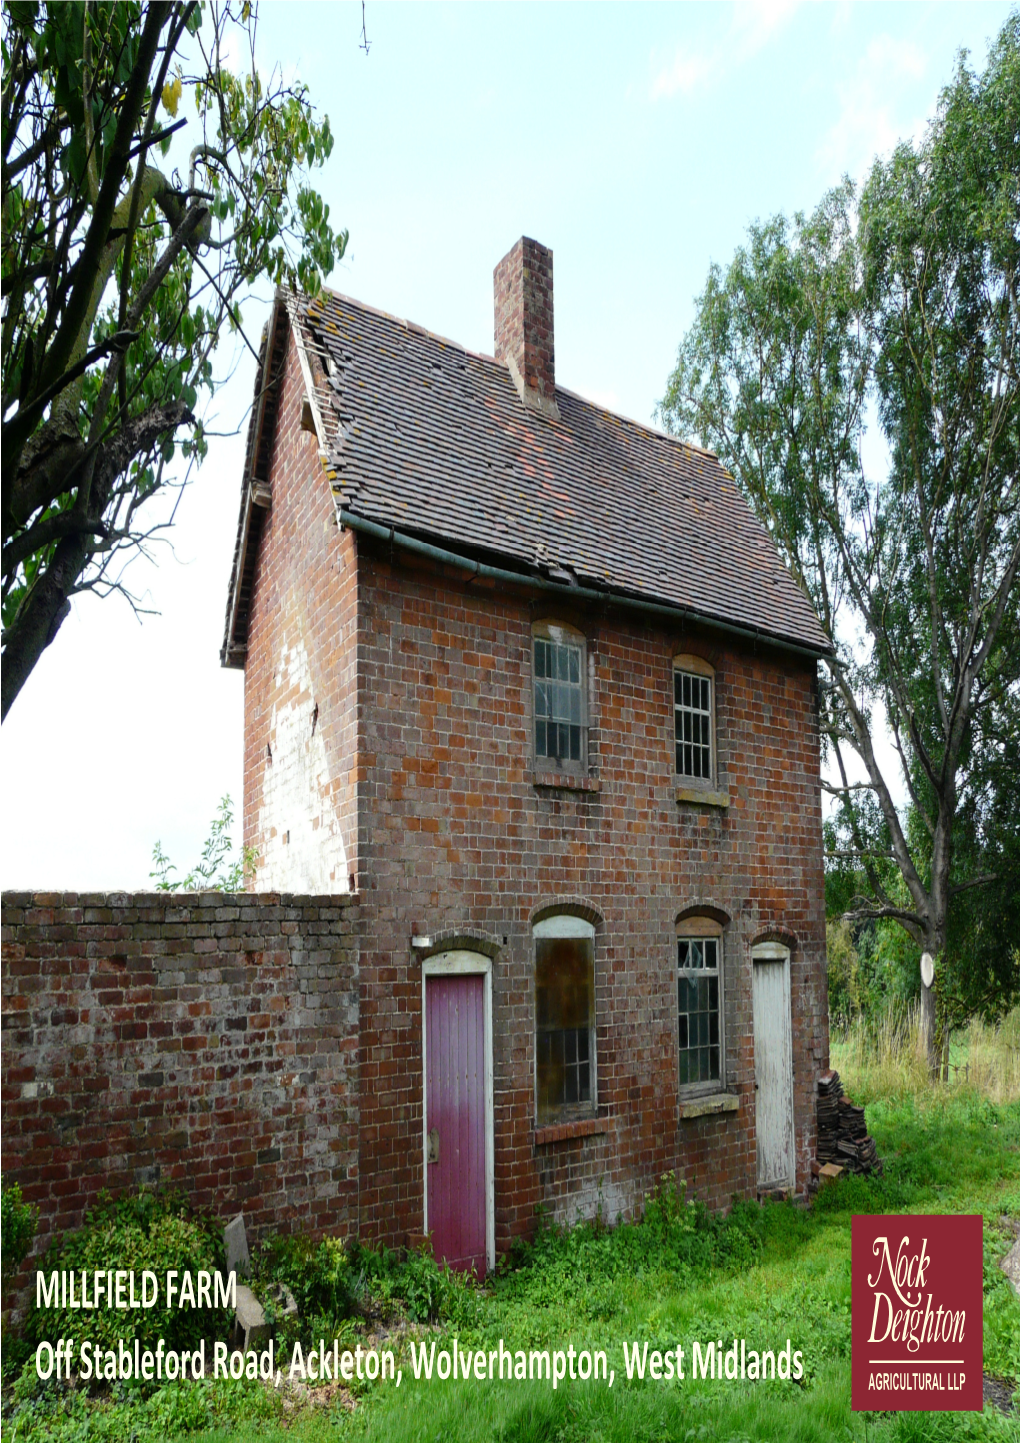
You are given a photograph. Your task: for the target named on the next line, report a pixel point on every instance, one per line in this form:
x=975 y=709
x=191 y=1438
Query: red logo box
x=916 y=1313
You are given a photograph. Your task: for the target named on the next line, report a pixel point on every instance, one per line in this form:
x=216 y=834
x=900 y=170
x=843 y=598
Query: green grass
x=764 y=1274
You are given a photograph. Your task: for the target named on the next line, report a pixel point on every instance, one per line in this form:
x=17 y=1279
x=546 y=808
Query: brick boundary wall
x=204 y=1040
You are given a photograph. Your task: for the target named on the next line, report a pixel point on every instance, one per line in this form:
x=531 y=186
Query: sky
x=639 y=142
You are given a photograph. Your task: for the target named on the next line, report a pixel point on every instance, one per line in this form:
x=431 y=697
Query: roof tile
x=433 y=438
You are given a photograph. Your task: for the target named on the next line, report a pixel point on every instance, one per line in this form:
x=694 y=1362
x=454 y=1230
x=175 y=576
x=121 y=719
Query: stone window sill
x=569 y=1131
x=706 y=1105
x=702 y=797
x=567 y=781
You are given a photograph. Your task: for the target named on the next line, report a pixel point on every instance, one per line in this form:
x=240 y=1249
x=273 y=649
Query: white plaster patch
x=300 y=845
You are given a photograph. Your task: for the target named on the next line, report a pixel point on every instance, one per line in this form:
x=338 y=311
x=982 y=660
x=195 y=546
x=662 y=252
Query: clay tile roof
x=432 y=439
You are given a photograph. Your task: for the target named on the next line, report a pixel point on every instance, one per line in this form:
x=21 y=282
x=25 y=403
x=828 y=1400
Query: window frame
x=697 y=928
x=560 y=634
x=695 y=666
x=565 y=925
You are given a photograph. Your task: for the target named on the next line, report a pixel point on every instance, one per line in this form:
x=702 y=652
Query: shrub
x=155 y=1231
x=333 y=1281
x=322 y=1276
x=18 y=1220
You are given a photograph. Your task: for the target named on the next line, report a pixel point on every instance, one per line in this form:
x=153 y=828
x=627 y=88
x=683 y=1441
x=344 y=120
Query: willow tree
x=896 y=306
x=120 y=277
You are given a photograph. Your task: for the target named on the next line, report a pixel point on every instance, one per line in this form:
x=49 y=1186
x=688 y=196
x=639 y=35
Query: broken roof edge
x=606 y=596
x=296 y=307
x=232 y=652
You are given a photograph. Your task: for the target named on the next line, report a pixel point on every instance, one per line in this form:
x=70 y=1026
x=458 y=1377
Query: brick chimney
x=522 y=286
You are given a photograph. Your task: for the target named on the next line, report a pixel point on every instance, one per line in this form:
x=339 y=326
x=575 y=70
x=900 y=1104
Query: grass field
x=764 y=1274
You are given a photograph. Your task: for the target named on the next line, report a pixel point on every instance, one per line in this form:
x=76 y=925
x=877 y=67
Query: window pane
x=698 y=1008
x=692 y=712
x=564 y=1017
x=559 y=700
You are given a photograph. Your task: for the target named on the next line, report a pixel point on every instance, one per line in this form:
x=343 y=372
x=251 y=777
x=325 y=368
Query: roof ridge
x=403 y=321
x=415 y=326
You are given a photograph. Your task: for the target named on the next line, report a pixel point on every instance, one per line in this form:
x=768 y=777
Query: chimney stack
x=523 y=297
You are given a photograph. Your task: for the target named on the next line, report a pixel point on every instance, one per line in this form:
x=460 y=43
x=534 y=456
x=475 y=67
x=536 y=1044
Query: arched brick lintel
x=775 y=934
x=572 y=906
x=703 y=908
x=459 y=939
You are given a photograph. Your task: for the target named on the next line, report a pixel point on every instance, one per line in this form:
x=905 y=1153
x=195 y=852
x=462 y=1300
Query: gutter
x=573 y=593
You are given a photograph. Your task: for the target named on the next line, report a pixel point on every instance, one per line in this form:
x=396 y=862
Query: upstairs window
x=564 y=1018
x=699 y=1003
x=694 y=725
x=561 y=721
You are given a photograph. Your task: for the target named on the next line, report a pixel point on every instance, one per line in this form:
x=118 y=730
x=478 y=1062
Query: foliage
x=217 y=870
x=763 y=1273
x=428 y=1292
x=119 y=280
x=18 y=1221
x=846 y=989
x=878 y=1057
x=896 y=304
x=145 y=1230
x=334 y=1282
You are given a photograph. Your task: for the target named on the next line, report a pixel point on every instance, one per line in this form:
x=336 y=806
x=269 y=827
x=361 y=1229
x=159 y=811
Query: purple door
x=455 y=1119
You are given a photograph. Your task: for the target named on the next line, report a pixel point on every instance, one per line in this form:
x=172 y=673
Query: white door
x=773 y=1066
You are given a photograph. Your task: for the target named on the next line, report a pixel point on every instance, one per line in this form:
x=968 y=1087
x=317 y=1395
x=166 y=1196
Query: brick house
x=532 y=681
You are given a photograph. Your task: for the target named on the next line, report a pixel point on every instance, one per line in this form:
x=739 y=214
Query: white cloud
x=684 y=73
x=871 y=118
x=753 y=24
x=756 y=21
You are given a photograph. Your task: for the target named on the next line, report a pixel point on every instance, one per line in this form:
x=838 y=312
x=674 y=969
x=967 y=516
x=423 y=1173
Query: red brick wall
x=299 y=682
x=203 y=1040
x=523 y=315
x=454 y=834
x=423 y=689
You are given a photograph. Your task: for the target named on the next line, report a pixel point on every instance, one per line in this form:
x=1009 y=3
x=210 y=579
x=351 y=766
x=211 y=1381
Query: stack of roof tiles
x=842 y=1131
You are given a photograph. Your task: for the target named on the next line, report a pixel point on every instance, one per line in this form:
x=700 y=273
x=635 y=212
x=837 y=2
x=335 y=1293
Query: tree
x=218 y=869
x=896 y=305
x=119 y=280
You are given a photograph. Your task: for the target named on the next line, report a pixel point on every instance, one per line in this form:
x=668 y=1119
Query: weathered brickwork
x=424 y=693
x=204 y=1040
x=523 y=316
x=454 y=833
x=300 y=755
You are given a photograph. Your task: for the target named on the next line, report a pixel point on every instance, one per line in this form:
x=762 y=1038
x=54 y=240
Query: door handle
x=432 y=1151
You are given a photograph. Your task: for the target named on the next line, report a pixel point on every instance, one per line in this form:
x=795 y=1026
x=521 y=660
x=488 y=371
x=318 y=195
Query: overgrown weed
x=882 y=1059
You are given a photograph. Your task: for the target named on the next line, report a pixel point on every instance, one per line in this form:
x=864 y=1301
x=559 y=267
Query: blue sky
x=637 y=141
